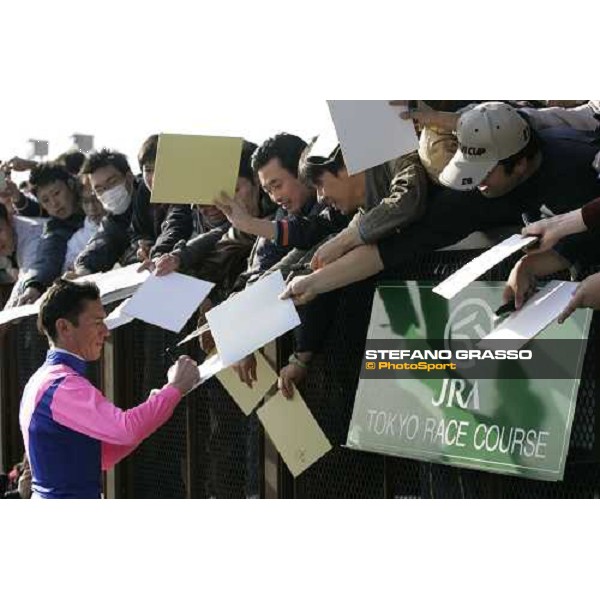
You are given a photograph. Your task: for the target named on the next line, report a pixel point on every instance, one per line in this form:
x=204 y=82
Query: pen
x=506 y=308
x=510 y=305
x=170 y=354
x=527 y=221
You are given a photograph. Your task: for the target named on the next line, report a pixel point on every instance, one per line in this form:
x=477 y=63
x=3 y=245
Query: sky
x=255 y=119
x=121 y=72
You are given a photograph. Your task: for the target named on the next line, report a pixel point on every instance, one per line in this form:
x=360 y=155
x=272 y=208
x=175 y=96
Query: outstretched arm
x=78 y=405
x=358 y=264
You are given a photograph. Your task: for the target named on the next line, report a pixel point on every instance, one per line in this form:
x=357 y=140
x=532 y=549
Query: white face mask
x=116 y=200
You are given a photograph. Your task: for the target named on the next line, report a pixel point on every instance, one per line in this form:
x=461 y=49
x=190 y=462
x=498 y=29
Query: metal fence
x=210 y=449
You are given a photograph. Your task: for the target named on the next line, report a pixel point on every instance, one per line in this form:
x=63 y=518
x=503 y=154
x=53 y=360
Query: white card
x=117 y=317
x=18 y=312
x=249 y=320
x=113 y=285
x=210 y=367
x=117 y=284
x=480 y=265
x=535 y=315
x=371 y=132
x=168 y=301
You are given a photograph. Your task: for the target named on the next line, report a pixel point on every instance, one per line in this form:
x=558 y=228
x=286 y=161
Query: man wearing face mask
x=118 y=190
x=133 y=226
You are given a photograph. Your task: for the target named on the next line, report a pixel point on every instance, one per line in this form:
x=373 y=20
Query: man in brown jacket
x=383 y=199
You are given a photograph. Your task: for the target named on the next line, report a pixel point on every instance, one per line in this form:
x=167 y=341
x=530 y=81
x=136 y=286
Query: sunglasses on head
x=316 y=160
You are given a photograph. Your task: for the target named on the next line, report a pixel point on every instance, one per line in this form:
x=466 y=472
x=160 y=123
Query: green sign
x=515 y=426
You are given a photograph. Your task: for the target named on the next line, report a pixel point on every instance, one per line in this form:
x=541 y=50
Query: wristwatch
x=294 y=360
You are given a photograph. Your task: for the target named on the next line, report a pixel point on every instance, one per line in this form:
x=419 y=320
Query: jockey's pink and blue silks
x=72 y=432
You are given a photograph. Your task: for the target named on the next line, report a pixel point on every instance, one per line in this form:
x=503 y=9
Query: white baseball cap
x=487 y=134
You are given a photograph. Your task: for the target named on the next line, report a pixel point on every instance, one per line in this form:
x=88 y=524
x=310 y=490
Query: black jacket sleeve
x=177 y=226
x=450 y=216
x=295 y=231
x=28 y=206
x=142 y=226
x=582 y=250
x=316 y=319
x=160 y=224
x=192 y=252
x=51 y=251
x=108 y=244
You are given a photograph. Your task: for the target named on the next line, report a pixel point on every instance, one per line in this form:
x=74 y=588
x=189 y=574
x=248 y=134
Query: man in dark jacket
x=157 y=228
x=384 y=200
x=121 y=194
x=57 y=192
x=300 y=222
x=219 y=253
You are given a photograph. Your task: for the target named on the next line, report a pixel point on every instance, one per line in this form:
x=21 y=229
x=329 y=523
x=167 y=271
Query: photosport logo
x=468 y=323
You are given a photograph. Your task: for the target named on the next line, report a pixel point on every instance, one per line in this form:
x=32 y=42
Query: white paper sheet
x=114 y=285
x=195 y=334
x=537 y=313
x=18 y=312
x=480 y=265
x=117 y=284
x=371 y=132
x=249 y=320
x=117 y=317
x=168 y=301
x=209 y=368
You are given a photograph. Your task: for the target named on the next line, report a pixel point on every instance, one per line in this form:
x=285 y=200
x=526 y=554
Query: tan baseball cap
x=486 y=134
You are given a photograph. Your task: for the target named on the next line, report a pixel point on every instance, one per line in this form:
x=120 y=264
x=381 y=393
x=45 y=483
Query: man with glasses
x=299 y=223
x=123 y=195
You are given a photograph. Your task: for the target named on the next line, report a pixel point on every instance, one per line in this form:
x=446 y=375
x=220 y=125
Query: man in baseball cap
x=491 y=137
x=501 y=170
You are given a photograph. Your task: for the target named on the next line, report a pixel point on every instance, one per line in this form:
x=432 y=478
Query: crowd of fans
x=480 y=165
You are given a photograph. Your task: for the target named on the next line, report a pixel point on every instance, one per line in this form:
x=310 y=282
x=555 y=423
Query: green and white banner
x=516 y=421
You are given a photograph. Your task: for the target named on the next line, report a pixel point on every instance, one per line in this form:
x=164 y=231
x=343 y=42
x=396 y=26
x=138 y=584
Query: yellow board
x=248 y=398
x=195 y=169
x=294 y=431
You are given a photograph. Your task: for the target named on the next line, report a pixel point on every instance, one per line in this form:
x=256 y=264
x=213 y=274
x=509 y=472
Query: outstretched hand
x=424 y=116
x=587 y=295
x=299 y=290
